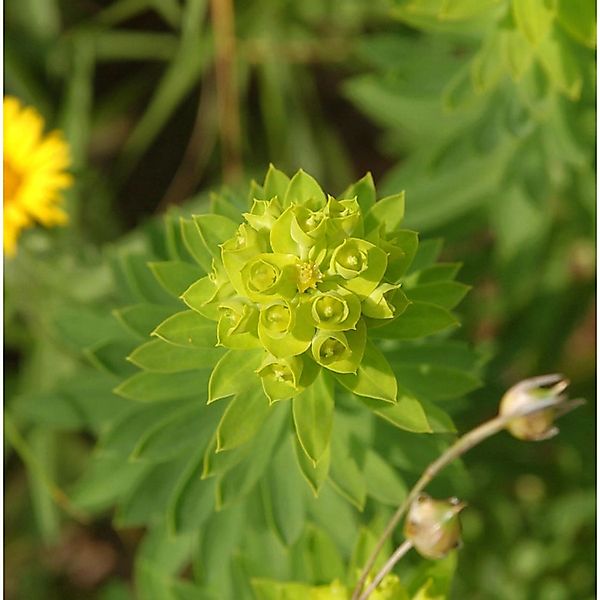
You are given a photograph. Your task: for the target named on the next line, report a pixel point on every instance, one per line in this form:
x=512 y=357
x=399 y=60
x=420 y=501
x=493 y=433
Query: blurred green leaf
x=313 y=416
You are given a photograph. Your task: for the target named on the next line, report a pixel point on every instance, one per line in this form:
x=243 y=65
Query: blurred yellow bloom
x=34 y=172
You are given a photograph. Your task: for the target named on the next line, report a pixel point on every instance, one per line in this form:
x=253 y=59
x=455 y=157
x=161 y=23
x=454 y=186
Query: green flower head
x=304 y=278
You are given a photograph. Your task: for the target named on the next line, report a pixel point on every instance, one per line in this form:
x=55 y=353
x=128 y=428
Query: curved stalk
x=389 y=565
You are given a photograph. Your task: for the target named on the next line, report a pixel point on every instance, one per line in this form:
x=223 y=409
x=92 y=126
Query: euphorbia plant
x=296 y=290
x=296 y=295
x=289 y=346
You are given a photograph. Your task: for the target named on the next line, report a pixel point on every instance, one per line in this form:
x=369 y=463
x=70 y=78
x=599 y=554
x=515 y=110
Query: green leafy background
x=482 y=111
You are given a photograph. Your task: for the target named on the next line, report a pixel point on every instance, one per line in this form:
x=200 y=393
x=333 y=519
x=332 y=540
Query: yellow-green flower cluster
x=301 y=279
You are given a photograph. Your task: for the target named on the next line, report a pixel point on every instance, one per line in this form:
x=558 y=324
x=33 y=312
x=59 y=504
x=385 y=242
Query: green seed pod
x=433 y=526
x=538 y=425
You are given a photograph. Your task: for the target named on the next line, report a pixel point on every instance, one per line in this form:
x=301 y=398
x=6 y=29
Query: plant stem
x=18 y=442
x=223 y=20
x=389 y=565
x=462 y=445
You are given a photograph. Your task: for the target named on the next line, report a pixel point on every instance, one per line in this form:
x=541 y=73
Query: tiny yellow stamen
x=308 y=276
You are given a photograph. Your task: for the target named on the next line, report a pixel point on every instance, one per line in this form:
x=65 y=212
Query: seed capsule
x=527 y=394
x=433 y=525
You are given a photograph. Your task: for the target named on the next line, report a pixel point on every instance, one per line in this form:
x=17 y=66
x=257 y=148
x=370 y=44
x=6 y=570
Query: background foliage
x=482 y=111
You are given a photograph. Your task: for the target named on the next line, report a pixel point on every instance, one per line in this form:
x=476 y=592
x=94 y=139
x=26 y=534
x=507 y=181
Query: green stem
x=389 y=565
x=21 y=447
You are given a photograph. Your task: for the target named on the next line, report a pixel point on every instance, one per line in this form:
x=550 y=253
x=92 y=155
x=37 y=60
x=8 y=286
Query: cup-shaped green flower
x=280 y=377
x=298 y=230
x=285 y=329
x=270 y=275
x=378 y=305
x=527 y=394
x=263 y=214
x=360 y=264
x=345 y=218
x=340 y=351
x=335 y=310
x=238 y=250
x=237 y=327
x=433 y=526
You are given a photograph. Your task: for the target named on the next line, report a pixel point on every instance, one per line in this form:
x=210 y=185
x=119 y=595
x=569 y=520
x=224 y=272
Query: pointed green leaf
x=313 y=416
x=187 y=428
x=438 y=272
x=374 y=379
x=91 y=491
x=404 y=245
x=364 y=191
x=315 y=475
x=175 y=276
x=141 y=319
x=141 y=282
x=302 y=189
x=200 y=297
x=241 y=479
x=533 y=18
x=195 y=245
x=578 y=18
x=276 y=184
x=439 y=421
x=188 y=329
x=123 y=434
x=418 y=320
x=233 y=373
x=444 y=293
x=243 y=417
x=214 y=230
x=383 y=483
x=151 y=387
x=434 y=382
x=427 y=253
x=220 y=538
x=285 y=501
x=407 y=414
x=345 y=474
x=561 y=64
x=324 y=559
x=110 y=357
x=159 y=356
x=387 y=211
x=148 y=499
x=193 y=500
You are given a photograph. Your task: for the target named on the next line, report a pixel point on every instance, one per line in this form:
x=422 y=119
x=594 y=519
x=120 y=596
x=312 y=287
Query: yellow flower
x=34 y=172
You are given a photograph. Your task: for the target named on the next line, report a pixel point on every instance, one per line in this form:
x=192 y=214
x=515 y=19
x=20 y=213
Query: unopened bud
x=433 y=526
x=525 y=396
